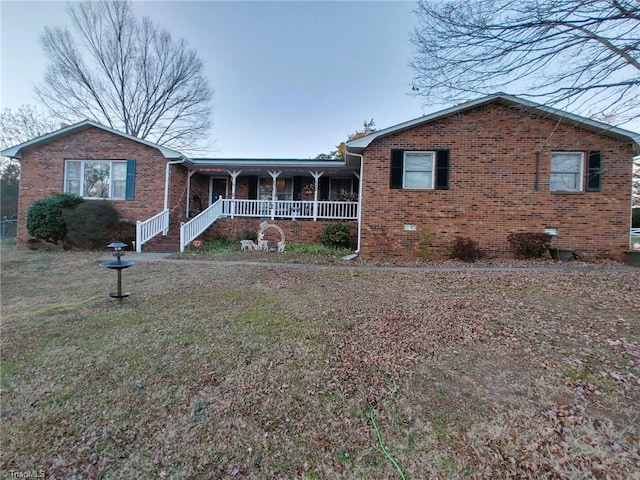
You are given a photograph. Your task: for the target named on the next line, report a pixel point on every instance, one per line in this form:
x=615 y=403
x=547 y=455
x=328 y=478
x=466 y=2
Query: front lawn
x=222 y=249
x=219 y=370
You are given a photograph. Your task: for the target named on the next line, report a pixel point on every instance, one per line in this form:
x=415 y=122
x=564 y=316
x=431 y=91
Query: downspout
x=360 y=183
x=166 y=181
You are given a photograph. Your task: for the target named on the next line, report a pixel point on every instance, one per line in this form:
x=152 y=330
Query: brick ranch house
x=481 y=169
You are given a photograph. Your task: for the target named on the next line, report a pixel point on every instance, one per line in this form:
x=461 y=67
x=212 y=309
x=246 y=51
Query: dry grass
x=217 y=370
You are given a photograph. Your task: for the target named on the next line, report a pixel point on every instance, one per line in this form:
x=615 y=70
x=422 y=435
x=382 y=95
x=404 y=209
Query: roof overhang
x=16 y=151
x=359 y=145
x=262 y=166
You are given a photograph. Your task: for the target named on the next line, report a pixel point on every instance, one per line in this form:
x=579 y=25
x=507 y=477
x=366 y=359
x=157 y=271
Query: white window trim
x=433 y=154
x=580 y=174
x=83 y=162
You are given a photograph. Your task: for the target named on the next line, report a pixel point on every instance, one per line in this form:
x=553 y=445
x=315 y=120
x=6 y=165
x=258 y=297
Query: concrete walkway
x=158 y=257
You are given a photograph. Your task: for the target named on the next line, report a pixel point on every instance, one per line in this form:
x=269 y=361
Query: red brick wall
x=42 y=174
x=301 y=231
x=492 y=191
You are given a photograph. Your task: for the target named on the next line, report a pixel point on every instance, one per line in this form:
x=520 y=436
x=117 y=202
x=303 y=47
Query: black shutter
x=297 y=188
x=323 y=188
x=594 y=171
x=130 y=187
x=397 y=168
x=442 y=170
x=253 y=188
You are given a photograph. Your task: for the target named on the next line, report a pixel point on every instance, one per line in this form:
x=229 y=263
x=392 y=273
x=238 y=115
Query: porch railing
x=273 y=209
x=148 y=229
x=194 y=227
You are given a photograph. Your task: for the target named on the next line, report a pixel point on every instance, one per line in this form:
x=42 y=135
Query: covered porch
x=285 y=189
x=274 y=188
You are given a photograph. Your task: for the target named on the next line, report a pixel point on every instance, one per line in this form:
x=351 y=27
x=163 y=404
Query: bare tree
x=340 y=152
x=127 y=74
x=579 y=53
x=26 y=123
x=17 y=127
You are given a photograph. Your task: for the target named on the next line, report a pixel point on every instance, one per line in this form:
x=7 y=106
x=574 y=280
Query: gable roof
x=16 y=151
x=360 y=144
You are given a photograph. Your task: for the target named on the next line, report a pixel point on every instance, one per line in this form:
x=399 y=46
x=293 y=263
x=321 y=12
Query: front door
x=218 y=189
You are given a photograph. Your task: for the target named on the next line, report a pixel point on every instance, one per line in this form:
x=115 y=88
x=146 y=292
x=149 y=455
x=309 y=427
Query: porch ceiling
x=262 y=166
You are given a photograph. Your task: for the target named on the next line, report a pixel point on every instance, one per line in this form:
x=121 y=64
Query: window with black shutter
x=419 y=170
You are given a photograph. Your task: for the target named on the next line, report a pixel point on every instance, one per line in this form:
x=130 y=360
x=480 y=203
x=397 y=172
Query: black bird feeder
x=118 y=265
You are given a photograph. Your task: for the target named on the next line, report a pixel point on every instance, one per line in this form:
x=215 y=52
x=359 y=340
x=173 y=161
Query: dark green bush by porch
x=45 y=216
x=529 y=244
x=335 y=235
x=91 y=225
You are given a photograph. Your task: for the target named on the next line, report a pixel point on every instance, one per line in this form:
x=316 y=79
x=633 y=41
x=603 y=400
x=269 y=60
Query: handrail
x=151 y=227
x=198 y=224
x=334 y=210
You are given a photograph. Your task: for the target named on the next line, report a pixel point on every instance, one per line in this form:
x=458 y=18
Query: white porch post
x=166 y=190
x=188 y=202
x=316 y=176
x=234 y=175
x=274 y=192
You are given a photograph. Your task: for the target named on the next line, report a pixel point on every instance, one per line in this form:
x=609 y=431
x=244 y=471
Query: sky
x=291 y=79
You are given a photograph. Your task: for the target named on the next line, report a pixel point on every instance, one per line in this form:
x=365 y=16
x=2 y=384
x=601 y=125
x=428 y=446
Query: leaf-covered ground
x=222 y=370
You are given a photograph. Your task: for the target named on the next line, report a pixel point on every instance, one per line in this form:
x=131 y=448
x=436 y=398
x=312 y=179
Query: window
x=419 y=170
x=284 y=188
x=339 y=187
x=112 y=179
x=566 y=171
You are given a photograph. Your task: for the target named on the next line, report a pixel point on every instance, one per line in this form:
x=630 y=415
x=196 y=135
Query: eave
x=16 y=151
x=359 y=145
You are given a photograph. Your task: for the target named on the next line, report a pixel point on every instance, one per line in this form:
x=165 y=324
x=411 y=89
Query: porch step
x=168 y=244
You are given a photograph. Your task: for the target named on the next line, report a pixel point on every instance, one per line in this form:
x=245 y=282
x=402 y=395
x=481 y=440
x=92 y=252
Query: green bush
x=91 y=225
x=45 y=216
x=247 y=235
x=635 y=217
x=529 y=244
x=335 y=235
x=465 y=249
x=125 y=231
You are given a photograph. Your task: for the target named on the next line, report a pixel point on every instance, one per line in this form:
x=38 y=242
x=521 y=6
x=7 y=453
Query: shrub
x=635 y=217
x=44 y=217
x=424 y=246
x=335 y=235
x=125 y=231
x=529 y=244
x=465 y=249
x=247 y=235
x=91 y=225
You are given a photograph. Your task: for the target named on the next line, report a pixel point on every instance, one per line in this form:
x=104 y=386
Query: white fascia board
x=265 y=162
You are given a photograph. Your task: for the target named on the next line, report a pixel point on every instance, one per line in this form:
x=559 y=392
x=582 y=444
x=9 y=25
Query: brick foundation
x=300 y=231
